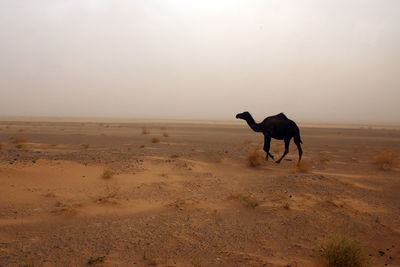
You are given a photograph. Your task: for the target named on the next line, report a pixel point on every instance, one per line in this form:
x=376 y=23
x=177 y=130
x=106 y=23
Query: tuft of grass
x=254 y=158
x=145 y=130
x=341 y=251
x=155 y=140
x=94 y=260
x=85 y=146
x=247 y=199
x=386 y=160
x=108 y=174
x=252 y=203
x=18 y=140
x=20 y=146
x=303 y=166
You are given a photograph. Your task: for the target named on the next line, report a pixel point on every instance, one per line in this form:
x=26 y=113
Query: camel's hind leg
x=287 y=142
x=298 y=142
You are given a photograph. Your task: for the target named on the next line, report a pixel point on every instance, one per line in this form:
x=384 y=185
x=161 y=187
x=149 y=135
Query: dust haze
x=317 y=61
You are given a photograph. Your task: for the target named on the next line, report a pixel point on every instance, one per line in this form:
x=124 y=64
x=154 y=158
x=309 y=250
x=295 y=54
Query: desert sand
x=191 y=199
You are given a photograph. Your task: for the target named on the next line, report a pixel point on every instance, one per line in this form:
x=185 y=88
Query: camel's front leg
x=267 y=143
x=287 y=141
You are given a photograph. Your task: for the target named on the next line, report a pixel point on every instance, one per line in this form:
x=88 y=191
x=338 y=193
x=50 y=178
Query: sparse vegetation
x=108 y=174
x=249 y=201
x=20 y=146
x=341 y=251
x=386 y=160
x=155 y=140
x=50 y=195
x=303 y=166
x=85 y=146
x=94 y=260
x=254 y=158
x=165 y=134
x=145 y=130
x=252 y=203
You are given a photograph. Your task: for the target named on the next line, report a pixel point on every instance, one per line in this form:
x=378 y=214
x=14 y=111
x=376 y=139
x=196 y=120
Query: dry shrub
x=344 y=252
x=165 y=134
x=155 y=140
x=50 y=195
x=145 y=130
x=303 y=166
x=254 y=158
x=19 y=140
x=95 y=260
x=247 y=199
x=108 y=174
x=386 y=160
x=20 y=146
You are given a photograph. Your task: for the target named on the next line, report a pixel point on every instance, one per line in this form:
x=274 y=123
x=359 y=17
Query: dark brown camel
x=278 y=127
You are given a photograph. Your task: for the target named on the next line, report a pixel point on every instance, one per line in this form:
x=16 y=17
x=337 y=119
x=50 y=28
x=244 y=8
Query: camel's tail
x=297 y=139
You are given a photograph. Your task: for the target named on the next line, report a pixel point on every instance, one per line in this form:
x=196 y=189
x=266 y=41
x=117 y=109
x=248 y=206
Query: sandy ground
x=192 y=199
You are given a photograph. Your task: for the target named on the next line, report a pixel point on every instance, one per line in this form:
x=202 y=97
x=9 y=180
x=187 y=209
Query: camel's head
x=244 y=115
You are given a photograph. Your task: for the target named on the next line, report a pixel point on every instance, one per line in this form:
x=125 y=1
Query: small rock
x=381 y=252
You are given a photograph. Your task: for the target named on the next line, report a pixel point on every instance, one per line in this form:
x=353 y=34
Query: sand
x=192 y=199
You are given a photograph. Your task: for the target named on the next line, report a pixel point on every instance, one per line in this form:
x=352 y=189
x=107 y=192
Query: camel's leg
x=267 y=143
x=287 y=141
x=298 y=144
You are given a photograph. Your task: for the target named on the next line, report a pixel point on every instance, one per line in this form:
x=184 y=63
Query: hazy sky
x=317 y=61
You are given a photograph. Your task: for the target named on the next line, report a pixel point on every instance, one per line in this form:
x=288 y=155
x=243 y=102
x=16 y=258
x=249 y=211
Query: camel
x=277 y=127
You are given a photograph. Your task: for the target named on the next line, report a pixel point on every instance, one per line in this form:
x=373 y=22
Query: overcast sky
x=317 y=61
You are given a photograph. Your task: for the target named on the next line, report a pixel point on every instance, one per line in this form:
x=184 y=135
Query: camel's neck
x=253 y=124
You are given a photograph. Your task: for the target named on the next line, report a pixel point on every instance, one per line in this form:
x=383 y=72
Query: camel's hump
x=281 y=115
